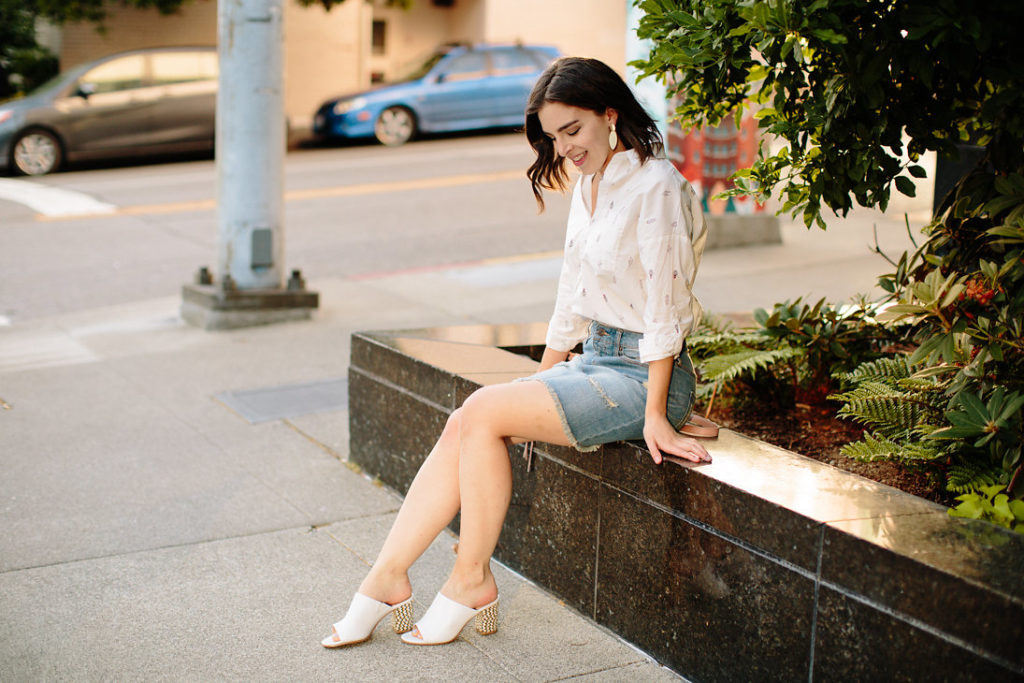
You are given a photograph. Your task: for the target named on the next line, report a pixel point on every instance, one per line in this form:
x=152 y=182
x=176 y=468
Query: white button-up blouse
x=631 y=264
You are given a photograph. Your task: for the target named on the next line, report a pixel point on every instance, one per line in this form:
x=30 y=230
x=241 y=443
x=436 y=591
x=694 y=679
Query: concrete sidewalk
x=151 y=531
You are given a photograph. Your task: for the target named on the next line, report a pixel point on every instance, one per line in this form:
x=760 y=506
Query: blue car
x=458 y=88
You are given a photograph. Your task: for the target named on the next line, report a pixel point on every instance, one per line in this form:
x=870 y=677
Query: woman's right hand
x=662 y=438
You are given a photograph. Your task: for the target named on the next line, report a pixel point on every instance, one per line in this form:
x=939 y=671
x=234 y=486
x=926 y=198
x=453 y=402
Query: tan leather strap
x=700 y=427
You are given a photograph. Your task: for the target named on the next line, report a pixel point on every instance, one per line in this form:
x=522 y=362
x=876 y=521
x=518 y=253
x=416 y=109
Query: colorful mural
x=708 y=157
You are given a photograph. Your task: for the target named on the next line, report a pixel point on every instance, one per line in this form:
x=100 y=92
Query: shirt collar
x=620 y=165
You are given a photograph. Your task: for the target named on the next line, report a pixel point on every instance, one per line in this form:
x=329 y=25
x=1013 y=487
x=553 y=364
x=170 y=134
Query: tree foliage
x=857 y=90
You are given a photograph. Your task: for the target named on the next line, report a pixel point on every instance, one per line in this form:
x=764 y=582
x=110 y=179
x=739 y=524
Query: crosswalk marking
x=33 y=351
x=52 y=202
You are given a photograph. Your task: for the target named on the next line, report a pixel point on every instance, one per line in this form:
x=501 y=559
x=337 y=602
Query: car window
x=510 y=61
x=421 y=69
x=465 y=67
x=123 y=73
x=183 y=67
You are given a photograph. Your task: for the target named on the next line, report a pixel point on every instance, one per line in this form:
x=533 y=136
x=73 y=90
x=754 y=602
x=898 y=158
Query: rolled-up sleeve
x=670 y=236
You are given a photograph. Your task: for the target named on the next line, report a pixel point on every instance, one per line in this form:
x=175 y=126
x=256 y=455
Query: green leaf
x=902 y=309
x=953 y=433
x=926 y=349
x=1013 y=406
x=1011 y=458
x=1001 y=509
x=905 y=185
x=973 y=406
x=971 y=508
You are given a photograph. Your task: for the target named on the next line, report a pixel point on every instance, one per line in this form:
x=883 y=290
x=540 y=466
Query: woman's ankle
x=474 y=586
x=386 y=586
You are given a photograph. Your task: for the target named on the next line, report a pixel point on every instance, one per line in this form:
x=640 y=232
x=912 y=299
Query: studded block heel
x=362 y=618
x=445 y=620
x=401 y=617
x=487 y=619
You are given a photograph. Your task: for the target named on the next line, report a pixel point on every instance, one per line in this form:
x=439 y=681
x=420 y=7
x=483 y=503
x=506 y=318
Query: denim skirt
x=601 y=395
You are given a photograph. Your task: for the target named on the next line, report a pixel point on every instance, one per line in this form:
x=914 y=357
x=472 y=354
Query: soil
x=814 y=431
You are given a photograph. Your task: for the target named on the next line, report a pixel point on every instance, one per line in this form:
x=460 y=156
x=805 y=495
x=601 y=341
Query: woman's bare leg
x=488 y=418
x=471 y=449
x=429 y=506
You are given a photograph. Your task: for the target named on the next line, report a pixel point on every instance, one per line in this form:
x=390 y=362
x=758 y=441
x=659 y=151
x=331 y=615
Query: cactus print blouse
x=632 y=262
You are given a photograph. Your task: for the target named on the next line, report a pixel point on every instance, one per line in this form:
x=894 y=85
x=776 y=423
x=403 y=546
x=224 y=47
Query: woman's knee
x=476 y=413
x=453 y=427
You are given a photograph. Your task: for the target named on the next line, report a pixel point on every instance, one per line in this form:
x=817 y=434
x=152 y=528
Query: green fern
x=970 y=475
x=925 y=385
x=710 y=343
x=728 y=366
x=871 y=448
x=893 y=367
x=876 y=447
x=894 y=413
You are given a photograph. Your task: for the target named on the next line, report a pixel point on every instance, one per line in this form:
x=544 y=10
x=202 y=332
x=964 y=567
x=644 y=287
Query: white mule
x=362 y=618
x=445 y=620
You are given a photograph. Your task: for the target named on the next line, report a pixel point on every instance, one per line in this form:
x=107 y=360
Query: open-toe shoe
x=446 y=618
x=363 y=616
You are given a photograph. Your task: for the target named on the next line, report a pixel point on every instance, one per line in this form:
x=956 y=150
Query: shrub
x=793 y=352
x=855 y=92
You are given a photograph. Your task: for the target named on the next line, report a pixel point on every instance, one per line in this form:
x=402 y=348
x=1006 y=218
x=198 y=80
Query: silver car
x=152 y=101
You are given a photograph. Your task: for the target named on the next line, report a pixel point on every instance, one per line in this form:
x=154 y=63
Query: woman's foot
x=362 y=618
x=445 y=620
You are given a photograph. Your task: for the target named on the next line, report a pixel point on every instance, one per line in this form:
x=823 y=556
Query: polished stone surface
x=550 y=532
x=732 y=510
x=761 y=565
x=703 y=605
x=962 y=577
x=391 y=432
x=386 y=364
x=856 y=642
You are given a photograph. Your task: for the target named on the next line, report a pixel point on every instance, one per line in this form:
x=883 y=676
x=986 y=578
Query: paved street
x=349 y=210
x=151 y=532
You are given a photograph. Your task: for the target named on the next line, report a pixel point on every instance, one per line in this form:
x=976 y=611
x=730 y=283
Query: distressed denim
x=602 y=394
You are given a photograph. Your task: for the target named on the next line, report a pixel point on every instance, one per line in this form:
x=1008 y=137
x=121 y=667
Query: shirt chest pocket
x=612 y=249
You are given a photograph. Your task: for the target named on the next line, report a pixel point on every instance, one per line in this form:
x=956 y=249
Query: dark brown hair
x=587 y=84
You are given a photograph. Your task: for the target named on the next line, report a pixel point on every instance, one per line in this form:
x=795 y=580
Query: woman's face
x=579 y=135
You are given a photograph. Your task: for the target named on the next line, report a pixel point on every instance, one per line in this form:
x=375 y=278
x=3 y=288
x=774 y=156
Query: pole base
x=216 y=308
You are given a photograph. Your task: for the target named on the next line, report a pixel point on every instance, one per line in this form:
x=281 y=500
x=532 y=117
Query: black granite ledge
x=763 y=565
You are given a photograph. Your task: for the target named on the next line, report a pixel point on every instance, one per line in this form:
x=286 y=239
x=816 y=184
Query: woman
x=633 y=244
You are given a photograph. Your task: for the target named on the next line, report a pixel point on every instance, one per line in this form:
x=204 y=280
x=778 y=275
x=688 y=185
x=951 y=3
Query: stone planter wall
x=764 y=565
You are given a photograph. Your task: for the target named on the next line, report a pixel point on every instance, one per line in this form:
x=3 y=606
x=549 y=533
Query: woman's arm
x=551 y=358
x=659 y=434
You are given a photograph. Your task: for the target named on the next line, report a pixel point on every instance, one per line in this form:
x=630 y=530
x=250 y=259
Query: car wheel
x=36 y=152
x=395 y=126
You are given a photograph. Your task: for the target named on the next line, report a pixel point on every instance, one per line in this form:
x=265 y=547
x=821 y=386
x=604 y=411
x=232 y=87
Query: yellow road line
x=317 y=193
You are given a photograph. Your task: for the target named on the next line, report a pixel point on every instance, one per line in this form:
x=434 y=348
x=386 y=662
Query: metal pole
x=248 y=288
x=250 y=143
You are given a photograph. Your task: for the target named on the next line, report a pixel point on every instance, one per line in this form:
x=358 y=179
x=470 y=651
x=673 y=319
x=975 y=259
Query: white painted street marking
x=52 y=201
x=31 y=351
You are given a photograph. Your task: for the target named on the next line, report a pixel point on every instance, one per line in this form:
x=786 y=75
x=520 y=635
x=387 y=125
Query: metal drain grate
x=295 y=400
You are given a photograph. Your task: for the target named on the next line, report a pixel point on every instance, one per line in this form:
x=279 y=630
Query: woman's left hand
x=661 y=436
